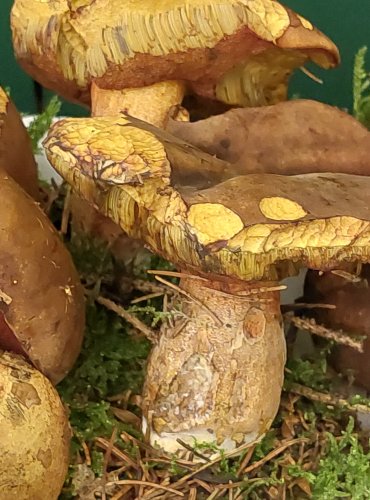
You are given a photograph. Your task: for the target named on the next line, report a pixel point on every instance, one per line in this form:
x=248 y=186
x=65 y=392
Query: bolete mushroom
x=351 y=297
x=35 y=434
x=241 y=52
x=42 y=310
x=216 y=374
x=16 y=156
x=292 y=137
x=295 y=137
x=142 y=57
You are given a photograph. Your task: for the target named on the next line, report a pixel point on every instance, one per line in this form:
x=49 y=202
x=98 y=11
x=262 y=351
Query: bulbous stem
x=152 y=104
x=217 y=372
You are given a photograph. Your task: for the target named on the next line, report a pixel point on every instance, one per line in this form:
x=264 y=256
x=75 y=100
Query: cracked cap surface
x=241 y=52
x=190 y=207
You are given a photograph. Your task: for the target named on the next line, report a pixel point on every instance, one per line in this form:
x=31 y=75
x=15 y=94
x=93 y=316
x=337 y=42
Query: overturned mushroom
x=240 y=52
x=217 y=373
x=35 y=435
x=16 y=156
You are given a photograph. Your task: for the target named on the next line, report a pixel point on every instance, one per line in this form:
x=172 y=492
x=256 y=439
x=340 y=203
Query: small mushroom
x=16 y=156
x=239 y=52
x=217 y=370
x=351 y=297
x=42 y=309
x=35 y=434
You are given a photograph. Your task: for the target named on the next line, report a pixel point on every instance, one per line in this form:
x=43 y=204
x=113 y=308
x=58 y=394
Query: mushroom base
x=217 y=371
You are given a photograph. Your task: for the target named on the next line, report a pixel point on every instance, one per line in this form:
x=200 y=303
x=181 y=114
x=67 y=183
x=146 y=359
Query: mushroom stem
x=152 y=104
x=217 y=372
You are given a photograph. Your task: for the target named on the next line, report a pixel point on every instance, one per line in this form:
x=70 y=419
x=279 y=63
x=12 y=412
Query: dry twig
x=146 y=485
x=310 y=325
x=130 y=318
x=327 y=399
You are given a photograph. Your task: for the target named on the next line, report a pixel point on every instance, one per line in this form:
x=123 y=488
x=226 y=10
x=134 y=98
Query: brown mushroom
x=16 y=156
x=35 y=435
x=240 y=52
x=41 y=298
x=292 y=137
x=216 y=373
x=350 y=294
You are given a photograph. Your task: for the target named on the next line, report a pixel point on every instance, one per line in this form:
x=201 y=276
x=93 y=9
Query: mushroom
x=42 y=310
x=143 y=56
x=324 y=139
x=146 y=58
x=16 y=156
x=217 y=370
x=291 y=137
x=35 y=434
x=351 y=315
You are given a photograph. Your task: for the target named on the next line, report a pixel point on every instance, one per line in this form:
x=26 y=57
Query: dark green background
x=347 y=22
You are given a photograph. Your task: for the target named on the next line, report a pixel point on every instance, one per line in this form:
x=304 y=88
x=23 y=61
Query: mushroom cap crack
x=249 y=227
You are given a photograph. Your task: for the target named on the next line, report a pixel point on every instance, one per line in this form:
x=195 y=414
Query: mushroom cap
x=16 y=156
x=241 y=52
x=42 y=306
x=35 y=435
x=292 y=137
x=191 y=208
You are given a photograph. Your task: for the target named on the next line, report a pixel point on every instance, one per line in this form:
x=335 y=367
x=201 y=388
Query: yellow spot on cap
x=213 y=222
x=279 y=208
x=305 y=23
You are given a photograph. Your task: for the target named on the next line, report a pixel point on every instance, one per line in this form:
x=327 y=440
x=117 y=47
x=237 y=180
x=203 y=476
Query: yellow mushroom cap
x=250 y=227
x=241 y=52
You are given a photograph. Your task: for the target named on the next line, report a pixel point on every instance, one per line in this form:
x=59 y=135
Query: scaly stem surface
x=216 y=373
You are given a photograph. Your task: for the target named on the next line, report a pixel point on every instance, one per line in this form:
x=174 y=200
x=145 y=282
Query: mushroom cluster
x=235 y=224
x=41 y=325
x=144 y=60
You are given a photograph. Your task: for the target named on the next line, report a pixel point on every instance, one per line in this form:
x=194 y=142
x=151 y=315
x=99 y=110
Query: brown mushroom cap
x=240 y=52
x=35 y=435
x=16 y=156
x=292 y=137
x=251 y=227
x=41 y=298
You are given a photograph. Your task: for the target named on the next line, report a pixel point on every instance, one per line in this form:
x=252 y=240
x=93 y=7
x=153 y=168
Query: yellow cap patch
x=279 y=208
x=214 y=222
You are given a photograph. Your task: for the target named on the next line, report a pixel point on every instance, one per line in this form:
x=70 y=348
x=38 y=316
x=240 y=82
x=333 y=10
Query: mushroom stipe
x=216 y=380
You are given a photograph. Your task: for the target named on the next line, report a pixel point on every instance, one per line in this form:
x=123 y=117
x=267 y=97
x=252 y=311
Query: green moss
x=361 y=88
x=41 y=124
